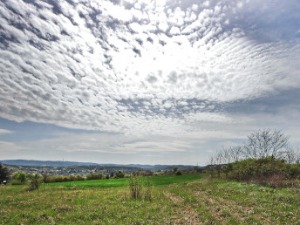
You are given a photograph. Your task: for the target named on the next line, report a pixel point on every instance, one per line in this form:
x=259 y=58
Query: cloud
x=109 y=143
x=9 y=149
x=140 y=68
x=118 y=148
x=4 y=132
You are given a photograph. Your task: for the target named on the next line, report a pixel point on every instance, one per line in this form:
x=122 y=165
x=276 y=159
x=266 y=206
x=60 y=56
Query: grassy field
x=176 y=200
x=155 y=180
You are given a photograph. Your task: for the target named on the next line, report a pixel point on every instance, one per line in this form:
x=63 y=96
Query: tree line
x=260 y=144
x=265 y=158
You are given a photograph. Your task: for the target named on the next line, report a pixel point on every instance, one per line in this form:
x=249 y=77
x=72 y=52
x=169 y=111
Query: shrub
x=45 y=177
x=19 y=178
x=293 y=170
x=119 y=174
x=143 y=173
x=254 y=168
x=60 y=178
x=4 y=175
x=51 y=179
x=266 y=171
x=178 y=173
x=78 y=177
x=94 y=176
x=34 y=182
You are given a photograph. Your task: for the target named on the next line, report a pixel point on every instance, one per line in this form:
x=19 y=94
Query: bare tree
x=229 y=155
x=265 y=143
x=225 y=156
x=216 y=159
x=235 y=153
x=291 y=156
x=297 y=158
x=215 y=163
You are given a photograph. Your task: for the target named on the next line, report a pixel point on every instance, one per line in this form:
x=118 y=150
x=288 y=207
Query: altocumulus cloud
x=141 y=67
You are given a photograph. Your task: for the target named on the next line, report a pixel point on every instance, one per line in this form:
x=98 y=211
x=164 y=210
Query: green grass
x=188 y=199
x=156 y=181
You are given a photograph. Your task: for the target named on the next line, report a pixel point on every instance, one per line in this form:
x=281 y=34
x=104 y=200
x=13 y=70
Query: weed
x=140 y=188
x=148 y=189
x=34 y=182
x=135 y=186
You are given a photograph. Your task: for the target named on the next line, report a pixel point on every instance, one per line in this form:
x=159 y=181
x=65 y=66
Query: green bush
x=293 y=170
x=178 y=173
x=19 y=178
x=263 y=171
x=34 y=182
x=119 y=174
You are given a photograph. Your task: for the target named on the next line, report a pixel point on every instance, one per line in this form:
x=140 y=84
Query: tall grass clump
x=140 y=188
x=148 y=189
x=135 y=186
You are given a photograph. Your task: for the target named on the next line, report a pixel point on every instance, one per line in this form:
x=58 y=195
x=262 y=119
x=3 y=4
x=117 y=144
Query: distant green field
x=155 y=180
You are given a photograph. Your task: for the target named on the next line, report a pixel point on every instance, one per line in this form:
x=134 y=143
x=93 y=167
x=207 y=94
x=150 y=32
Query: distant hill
x=38 y=163
x=161 y=167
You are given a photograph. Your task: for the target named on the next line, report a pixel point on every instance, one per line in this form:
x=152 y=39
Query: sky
x=148 y=82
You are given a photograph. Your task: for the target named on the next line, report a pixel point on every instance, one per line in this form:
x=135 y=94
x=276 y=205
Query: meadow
x=187 y=199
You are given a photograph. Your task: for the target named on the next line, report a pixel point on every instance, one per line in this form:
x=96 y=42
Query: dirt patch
x=174 y=198
x=185 y=214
